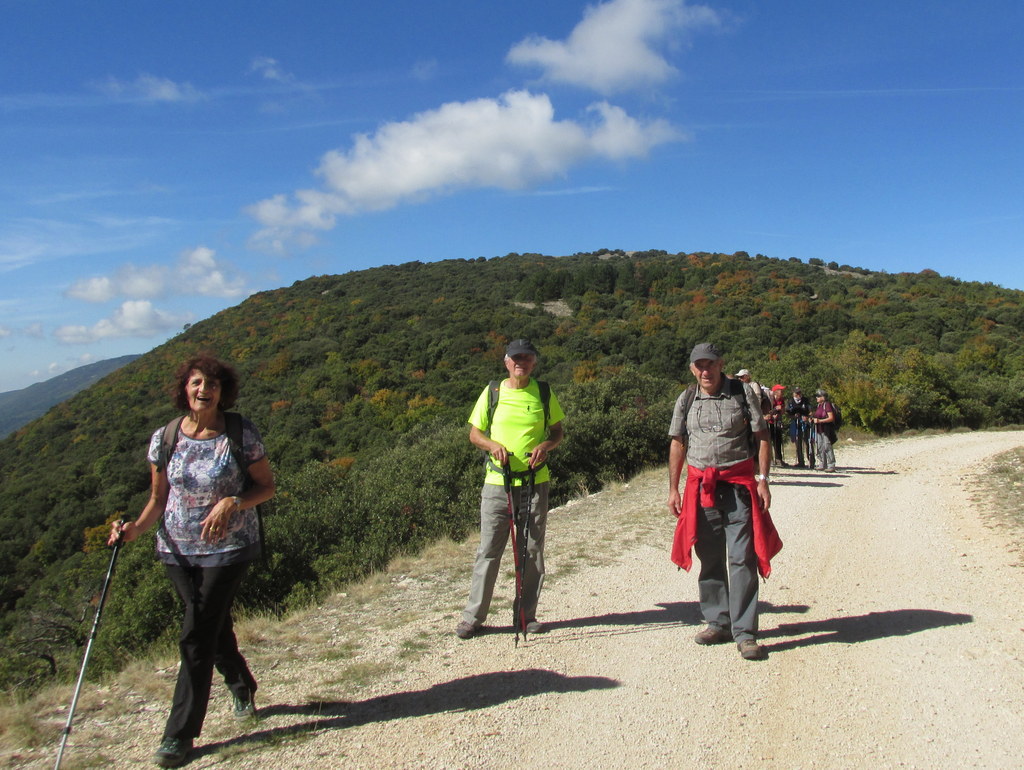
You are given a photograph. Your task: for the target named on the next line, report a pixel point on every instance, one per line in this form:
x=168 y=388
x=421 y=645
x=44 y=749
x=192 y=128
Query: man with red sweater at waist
x=719 y=432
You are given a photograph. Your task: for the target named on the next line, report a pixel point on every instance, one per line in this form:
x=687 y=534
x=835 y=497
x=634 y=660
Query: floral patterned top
x=200 y=473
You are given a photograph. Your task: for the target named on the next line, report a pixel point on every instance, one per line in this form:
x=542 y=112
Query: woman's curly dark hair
x=224 y=373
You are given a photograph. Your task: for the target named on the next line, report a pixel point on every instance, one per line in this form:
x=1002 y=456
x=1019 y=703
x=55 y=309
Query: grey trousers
x=826 y=455
x=494 y=534
x=727 y=582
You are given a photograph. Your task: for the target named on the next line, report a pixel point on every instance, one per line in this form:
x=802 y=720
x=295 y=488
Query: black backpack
x=233 y=429
x=837 y=416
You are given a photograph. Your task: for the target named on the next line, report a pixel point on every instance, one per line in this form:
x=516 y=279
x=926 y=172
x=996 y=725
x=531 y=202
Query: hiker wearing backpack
x=719 y=433
x=208 y=471
x=775 y=418
x=760 y=392
x=824 y=420
x=799 y=410
x=517 y=422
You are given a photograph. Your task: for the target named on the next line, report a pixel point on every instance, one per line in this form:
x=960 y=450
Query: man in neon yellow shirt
x=522 y=433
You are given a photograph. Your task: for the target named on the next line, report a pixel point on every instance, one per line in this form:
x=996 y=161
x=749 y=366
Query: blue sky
x=161 y=161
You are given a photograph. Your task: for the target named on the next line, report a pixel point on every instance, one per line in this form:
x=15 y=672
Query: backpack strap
x=233 y=429
x=168 y=442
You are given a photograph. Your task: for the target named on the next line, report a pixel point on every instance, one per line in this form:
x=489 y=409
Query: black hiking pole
x=524 y=546
x=88 y=646
x=506 y=472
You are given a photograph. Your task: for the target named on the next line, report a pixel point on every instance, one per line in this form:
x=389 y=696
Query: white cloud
x=508 y=143
x=613 y=49
x=4 y=332
x=135 y=318
x=197 y=272
x=150 y=88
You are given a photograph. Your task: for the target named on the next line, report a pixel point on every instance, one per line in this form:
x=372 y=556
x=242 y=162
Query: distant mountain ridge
x=20 y=407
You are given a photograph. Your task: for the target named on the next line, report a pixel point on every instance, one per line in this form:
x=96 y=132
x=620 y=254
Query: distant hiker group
x=209 y=471
x=812 y=428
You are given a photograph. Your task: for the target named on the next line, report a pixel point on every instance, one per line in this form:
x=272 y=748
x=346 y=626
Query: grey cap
x=519 y=347
x=707 y=350
x=820 y=392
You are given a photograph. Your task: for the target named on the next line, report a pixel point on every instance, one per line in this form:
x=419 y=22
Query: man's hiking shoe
x=750 y=650
x=712 y=635
x=465 y=630
x=172 y=752
x=535 y=627
x=243 y=708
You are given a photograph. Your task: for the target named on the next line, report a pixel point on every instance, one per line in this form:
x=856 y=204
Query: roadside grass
x=1002 y=498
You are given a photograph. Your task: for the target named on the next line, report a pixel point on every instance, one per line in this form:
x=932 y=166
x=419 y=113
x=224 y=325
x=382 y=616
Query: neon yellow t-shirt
x=518 y=425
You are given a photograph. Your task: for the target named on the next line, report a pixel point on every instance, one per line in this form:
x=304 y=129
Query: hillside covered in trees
x=361 y=384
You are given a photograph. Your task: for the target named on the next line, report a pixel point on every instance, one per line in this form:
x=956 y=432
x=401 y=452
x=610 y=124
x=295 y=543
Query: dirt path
x=892 y=621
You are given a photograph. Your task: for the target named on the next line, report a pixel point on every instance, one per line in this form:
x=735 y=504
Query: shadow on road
x=466 y=694
x=679 y=613
x=865 y=471
x=861 y=628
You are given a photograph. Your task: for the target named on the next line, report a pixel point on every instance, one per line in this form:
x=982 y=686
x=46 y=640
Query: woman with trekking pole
x=208 y=471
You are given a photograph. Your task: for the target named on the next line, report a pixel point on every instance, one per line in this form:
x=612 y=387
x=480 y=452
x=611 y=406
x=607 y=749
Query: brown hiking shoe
x=750 y=650
x=712 y=635
x=465 y=630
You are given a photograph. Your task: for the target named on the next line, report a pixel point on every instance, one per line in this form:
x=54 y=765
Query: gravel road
x=892 y=622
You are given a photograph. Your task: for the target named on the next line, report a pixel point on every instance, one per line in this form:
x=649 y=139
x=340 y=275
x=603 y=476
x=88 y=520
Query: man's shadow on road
x=861 y=628
x=469 y=693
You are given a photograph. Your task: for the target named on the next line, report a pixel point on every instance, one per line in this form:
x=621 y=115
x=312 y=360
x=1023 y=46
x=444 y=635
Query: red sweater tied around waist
x=702 y=483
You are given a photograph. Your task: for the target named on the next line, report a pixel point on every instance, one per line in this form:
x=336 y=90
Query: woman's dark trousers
x=207 y=640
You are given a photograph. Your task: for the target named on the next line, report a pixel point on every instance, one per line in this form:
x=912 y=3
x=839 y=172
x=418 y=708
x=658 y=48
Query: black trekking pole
x=506 y=472
x=88 y=646
x=524 y=544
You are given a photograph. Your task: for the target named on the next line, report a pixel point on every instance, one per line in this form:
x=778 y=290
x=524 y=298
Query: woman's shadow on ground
x=469 y=693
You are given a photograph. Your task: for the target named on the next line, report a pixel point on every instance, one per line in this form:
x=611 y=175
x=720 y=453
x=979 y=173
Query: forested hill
x=361 y=384
x=19 y=407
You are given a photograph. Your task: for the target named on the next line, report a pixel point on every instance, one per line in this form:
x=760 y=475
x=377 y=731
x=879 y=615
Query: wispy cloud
x=148 y=88
x=29 y=241
x=507 y=143
x=615 y=47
